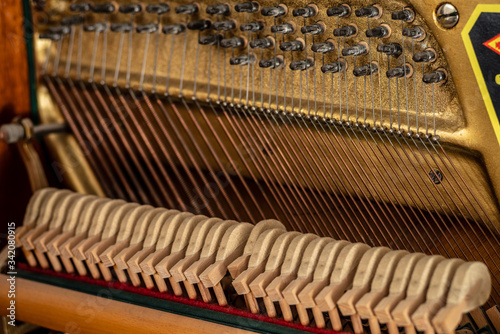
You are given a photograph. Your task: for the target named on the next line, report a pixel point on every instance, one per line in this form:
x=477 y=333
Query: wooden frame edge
x=76 y=312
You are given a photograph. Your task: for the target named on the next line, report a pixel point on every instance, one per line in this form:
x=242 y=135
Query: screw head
x=436 y=176
x=447 y=15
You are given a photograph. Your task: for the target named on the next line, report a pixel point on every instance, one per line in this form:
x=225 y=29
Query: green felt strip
x=30 y=54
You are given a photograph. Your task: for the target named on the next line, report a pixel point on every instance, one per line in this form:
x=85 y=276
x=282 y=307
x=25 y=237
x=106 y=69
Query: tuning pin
x=336 y=66
x=234 y=42
x=60 y=30
x=72 y=20
x=188 y=9
x=212 y=39
x=105 y=8
x=225 y=25
x=262 y=43
x=296 y=45
x=158 y=8
x=271 y=63
x=219 y=9
x=284 y=28
x=247 y=7
x=370 y=11
x=148 y=28
x=50 y=36
x=173 y=29
x=340 y=11
x=434 y=77
x=405 y=15
x=345 y=31
x=121 y=27
x=378 y=32
x=313 y=29
x=399 y=72
x=252 y=26
x=302 y=64
x=323 y=47
x=242 y=60
x=365 y=70
x=414 y=32
x=95 y=27
x=273 y=11
x=308 y=11
x=81 y=7
x=391 y=49
x=130 y=9
x=355 y=50
x=424 y=56
x=199 y=25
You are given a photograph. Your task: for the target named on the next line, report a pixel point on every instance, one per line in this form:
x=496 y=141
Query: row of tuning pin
x=382 y=31
x=305 y=275
x=392 y=49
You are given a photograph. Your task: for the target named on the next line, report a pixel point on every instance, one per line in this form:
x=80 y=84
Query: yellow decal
x=493 y=43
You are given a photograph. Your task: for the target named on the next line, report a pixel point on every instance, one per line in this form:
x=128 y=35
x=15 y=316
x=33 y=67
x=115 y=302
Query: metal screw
x=15 y=132
x=447 y=15
x=436 y=176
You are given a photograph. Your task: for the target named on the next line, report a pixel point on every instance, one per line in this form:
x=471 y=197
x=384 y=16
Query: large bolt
x=447 y=16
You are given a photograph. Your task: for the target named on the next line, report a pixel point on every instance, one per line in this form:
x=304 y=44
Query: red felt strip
x=167 y=296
